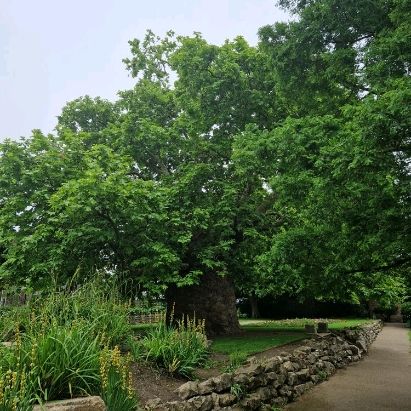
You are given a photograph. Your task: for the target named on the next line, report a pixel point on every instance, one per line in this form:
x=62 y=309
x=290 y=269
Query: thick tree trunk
x=212 y=300
x=255 y=312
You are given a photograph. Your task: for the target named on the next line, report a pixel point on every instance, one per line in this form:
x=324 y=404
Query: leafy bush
x=177 y=349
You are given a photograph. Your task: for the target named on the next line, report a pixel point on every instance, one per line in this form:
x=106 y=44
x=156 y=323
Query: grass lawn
x=273 y=333
x=297 y=324
x=251 y=344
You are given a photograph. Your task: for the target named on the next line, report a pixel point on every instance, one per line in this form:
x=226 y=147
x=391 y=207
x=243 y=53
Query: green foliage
x=61 y=349
x=251 y=343
x=60 y=362
x=284 y=166
x=116 y=381
x=236 y=359
x=298 y=324
x=63 y=362
x=238 y=390
x=406 y=310
x=178 y=350
x=322 y=375
x=147 y=307
x=96 y=303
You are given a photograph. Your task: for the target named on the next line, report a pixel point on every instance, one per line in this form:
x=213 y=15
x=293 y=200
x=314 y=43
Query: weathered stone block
x=223 y=382
x=263 y=393
x=188 y=390
x=201 y=403
x=252 y=369
x=224 y=400
x=288 y=366
x=251 y=402
x=74 y=404
x=272 y=365
x=303 y=375
x=256 y=381
x=292 y=378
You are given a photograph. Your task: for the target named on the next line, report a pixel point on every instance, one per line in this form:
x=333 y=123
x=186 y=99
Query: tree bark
x=255 y=312
x=212 y=300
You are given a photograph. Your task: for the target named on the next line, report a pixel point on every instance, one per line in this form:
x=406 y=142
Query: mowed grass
x=283 y=332
x=274 y=333
x=298 y=324
x=251 y=344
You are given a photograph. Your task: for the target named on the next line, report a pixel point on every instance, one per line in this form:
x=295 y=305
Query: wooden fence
x=151 y=318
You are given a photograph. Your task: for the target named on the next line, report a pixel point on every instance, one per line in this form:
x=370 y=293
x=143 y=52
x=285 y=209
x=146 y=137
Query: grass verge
x=251 y=344
x=298 y=324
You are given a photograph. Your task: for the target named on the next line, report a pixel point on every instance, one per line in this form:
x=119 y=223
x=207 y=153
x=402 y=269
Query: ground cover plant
x=66 y=345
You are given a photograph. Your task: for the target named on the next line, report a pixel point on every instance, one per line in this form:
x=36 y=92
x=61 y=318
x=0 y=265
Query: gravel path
x=379 y=382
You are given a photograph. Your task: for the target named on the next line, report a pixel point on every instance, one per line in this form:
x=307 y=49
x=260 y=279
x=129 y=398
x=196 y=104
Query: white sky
x=53 y=51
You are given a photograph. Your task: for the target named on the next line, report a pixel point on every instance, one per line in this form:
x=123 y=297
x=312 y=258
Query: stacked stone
x=276 y=381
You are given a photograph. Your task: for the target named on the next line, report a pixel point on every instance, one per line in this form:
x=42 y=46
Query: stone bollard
x=322 y=327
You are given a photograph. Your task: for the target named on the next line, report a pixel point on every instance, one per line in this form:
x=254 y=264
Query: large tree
x=281 y=168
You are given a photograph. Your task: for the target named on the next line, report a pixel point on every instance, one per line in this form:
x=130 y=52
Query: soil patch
x=215 y=366
x=151 y=383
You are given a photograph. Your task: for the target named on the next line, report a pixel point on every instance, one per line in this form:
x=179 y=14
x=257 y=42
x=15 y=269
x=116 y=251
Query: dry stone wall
x=278 y=380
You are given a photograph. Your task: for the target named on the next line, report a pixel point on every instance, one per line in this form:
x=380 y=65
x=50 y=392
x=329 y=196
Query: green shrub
x=13 y=318
x=64 y=363
x=60 y=363
x=238 y=390
x=176 y=349
x=63 y=348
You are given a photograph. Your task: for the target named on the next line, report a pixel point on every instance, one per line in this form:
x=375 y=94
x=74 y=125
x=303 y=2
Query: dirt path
x=380 y=382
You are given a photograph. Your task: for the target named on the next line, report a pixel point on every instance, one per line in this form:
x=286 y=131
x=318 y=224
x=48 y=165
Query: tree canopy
x=284 y=166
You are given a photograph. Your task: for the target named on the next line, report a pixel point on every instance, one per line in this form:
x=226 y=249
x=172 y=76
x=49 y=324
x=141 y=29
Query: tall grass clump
x=116 y=379
x=178 y=349
x=97 y=303
x=67 y=345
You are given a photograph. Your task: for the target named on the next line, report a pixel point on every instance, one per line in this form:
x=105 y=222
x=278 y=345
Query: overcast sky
x=53 y=51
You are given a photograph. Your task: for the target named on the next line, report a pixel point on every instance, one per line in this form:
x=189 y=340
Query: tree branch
x=393 y=264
